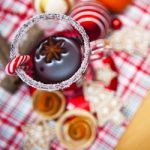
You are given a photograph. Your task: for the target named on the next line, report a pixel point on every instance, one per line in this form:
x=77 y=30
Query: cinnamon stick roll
x=76 y=129
x=49 y=105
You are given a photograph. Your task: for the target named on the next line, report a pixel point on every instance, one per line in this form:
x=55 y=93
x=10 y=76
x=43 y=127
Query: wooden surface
x=137 y=135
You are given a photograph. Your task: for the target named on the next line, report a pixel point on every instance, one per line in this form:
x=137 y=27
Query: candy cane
x=16 y=63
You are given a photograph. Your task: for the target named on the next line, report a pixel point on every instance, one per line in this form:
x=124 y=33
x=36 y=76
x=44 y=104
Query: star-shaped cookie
x=104 y=103
x=105 y=74
x=39 y=135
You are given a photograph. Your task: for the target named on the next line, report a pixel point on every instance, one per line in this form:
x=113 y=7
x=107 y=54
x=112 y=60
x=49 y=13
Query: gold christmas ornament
x=53 y=6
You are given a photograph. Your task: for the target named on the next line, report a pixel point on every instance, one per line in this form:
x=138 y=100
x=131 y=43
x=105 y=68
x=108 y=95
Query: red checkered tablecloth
x=134 y=80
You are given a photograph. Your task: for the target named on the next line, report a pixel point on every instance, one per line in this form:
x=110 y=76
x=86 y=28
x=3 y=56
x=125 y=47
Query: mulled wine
x=56 y=59
x=59 y=59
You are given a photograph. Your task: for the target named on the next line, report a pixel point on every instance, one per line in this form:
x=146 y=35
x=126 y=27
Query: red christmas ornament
x=116 y=24
x=94 y=17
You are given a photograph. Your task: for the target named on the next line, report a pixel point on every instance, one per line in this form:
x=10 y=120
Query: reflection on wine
x=56 y=59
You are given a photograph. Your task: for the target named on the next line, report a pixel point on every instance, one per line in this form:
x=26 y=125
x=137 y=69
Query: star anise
x=52 y=49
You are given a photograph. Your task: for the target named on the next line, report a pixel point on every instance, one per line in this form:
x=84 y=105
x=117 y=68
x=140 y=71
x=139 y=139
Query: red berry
x=116 y=24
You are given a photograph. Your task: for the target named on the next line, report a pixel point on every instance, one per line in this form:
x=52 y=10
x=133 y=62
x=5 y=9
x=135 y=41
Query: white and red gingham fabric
x=134 y=80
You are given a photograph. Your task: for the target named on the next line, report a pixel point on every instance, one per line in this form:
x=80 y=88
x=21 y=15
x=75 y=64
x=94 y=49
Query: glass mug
x=53 y=25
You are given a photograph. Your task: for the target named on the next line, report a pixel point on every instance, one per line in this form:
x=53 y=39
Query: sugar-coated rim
x=25 y=27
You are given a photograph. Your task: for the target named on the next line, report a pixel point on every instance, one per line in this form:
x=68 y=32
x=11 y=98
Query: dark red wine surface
x=61 y=69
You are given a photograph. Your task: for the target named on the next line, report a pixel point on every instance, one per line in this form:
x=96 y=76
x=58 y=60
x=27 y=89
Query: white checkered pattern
x=134 y=80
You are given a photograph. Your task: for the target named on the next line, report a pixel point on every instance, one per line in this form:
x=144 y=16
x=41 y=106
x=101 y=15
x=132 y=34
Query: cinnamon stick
x=12 y=83
x=31 y=39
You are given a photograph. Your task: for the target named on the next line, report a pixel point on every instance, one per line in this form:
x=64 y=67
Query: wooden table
x=137 y=135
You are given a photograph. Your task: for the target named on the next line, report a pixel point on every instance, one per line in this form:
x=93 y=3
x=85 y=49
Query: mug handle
x=101 y=46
